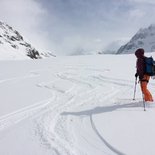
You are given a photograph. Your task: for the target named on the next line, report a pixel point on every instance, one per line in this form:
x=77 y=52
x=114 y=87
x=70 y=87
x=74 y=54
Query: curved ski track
x=81 y=90
x=85 y=90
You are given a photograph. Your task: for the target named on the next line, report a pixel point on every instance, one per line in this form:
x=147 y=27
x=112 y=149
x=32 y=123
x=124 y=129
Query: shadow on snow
x=104 y=109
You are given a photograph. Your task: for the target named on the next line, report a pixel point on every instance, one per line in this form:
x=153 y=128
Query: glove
x=136 y=75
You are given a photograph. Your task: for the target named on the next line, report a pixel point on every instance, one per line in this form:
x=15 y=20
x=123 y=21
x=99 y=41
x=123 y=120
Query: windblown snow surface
x=74 y=105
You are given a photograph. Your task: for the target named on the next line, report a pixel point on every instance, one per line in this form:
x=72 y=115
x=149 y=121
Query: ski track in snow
x=52 y=123
x=19 y=115
x=32 y=75
x=52 y=126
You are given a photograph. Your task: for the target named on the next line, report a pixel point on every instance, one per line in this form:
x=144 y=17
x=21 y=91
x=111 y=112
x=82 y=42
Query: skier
x=143 y=78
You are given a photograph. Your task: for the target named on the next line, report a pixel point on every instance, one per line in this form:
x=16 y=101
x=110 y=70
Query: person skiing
x=143 y=77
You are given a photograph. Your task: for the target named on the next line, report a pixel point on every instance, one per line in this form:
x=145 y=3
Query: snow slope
x=74 y=105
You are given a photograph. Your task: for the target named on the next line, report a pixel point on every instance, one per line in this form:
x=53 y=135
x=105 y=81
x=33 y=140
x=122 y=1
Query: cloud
x=80 y=22
x=136 y=15
x=143 y=1
x=63 y=26
x=27 y=17
x=115 y=45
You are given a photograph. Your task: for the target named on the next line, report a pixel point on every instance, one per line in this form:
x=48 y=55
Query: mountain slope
x=13 y=46
x=144 y=38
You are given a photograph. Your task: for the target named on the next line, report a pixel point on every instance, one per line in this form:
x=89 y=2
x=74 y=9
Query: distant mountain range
x=144 y=38
x=13 y=46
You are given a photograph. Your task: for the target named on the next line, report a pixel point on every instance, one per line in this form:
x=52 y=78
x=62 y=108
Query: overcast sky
x=64 y=26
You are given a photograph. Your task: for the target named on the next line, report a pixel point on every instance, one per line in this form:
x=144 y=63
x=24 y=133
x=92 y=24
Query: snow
x=74 y=105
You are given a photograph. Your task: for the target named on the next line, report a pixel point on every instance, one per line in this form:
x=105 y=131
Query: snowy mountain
x=13 y=46
x=144 y=38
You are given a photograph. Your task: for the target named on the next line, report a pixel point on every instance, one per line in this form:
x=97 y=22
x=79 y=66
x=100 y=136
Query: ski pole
x=135 y=89
x=143 y=102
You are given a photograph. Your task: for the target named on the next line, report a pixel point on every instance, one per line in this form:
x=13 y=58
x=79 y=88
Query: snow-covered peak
x=144 y=38
x=8 y=32
x=13 y=46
